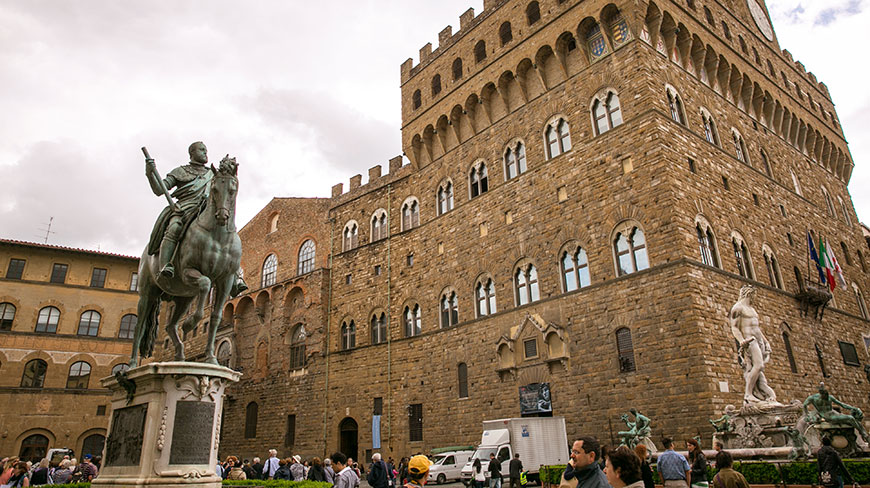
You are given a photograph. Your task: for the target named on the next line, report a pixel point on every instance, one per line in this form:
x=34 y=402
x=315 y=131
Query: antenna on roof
x=47 y=229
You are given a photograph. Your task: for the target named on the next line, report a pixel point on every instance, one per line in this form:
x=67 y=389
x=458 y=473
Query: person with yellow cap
x=418 y=471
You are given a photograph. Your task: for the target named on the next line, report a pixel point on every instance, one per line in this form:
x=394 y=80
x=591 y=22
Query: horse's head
x=223 y=190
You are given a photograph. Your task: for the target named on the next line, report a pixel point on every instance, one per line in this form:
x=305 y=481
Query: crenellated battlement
x=375 y=179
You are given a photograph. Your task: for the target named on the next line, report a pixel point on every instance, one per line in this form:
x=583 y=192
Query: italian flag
x=825 y=263
x=838 y=271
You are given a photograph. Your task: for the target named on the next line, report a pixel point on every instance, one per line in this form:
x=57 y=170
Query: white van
x=448 y=466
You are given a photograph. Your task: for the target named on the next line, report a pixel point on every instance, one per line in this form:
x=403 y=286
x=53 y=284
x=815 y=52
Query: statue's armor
x=192 y=187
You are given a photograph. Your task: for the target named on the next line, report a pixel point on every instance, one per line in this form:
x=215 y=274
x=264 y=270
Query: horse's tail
x=146 y=347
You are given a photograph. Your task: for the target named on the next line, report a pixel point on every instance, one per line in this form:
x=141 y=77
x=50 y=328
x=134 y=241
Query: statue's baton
x=159 y=181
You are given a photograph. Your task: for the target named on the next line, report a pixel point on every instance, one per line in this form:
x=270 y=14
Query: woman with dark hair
x=316 y=472
x=645 y=471
x=19 y=476
x=478 y=474
x=698 y=462
x=727 y=477
x=622 y=467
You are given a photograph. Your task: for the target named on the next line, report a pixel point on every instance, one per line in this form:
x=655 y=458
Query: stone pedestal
x=166 y=432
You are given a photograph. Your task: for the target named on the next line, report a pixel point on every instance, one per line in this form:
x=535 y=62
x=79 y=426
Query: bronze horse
x=208 y=256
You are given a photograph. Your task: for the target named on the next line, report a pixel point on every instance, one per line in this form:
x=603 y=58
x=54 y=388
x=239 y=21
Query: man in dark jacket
x=378 y=476
x=494 y=469
x=516 y=469
x=832 y=471
x=258 y=469
x=584 y=466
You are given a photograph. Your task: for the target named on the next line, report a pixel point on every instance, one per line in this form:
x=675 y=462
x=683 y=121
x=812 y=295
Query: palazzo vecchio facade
x=590 y=185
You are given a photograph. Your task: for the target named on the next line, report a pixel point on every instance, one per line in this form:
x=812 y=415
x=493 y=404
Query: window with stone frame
x=862 y=305
x=462 y=372
x=740 y=148
x=348 y=335
x=575 y=268
x=449 y=306
x=829 y=203
x=436 y=85
x=34 y=374
x=457 y=69
x=515 y=160
x=846 y=256
x=47 y=320
x=741 y=255
x=306 y=257
x=270 y=271
x=225 y=354
x=298 y=355
x=772 y=266
x=625 y=350
x=707 y=244
x=379 y=328
x=134 y=282
x=15 y=269
x=726 y=30
x=710 y=131
x=504 y=33
x=526 y=284
x=89 y=323
x=606 y=112
x=766 y=163
x=7 y=315
x=849 y=353
x=58 y=273
x=251 y=415
x=558 y=138
x=708 y=15
x=350 y=236
x=484 y=292
x=79 y=375
x=445 y=197
x=380 y=225
x=415 y=422
x=290 y=431
x=845 y=211
x=629 y=245
x=861 y=261
x=530 y=348
x=98 y=278
x=120 y=367
x=675 y=105
x=797 y=184
x=410 y=214
x=412 y=320
x=786 y=340
x=533 y=12
x=821 y=359
x=128 y=326
x=478 y=179
x=417 y=99
x=480 y=51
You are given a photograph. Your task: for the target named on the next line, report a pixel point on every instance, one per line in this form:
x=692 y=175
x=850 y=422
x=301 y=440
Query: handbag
x=572 y=483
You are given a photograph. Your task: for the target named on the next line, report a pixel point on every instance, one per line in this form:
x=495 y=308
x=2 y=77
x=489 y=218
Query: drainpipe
x=328 y=327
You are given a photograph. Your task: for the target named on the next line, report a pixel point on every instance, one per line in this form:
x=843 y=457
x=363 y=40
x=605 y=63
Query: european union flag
x=815 y=257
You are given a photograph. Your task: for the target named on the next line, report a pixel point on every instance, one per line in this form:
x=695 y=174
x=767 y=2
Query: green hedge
x=860 y=470
x=799 y=473
x=551 y=474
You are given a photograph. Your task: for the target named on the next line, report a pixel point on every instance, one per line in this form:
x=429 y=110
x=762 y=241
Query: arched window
x=34 y=374
x=478 y=180
x=379 y=328
x=273 y=222
x=797 y=184
x=786 y=340
x=691 y=4
x=829 y=203
x=846 y=255
x=93 y=445
x=862 y=305
x=225 y=354
x=766 y=164
x=756 y=56
x=457 y=69
x=89 y=324
x=410 y=214
x=740 y=148
x=298 y=358
x=742 y=45
x=306 y=257
x=861 y=261
x=484 y=292
x=575 y=269
x=709 y=16
x=707 y=244
x=845 y=211
x=515 y=160
x=380 y=225
x=463 y=380
x=436 y=85
x=480 y=51
x=445 y=197
x=128 y=326
x=449 y=309
x=595 y=42
x=120 y=368
x=526 y=283
x=417 y=99
x=726 y=30
x=607 y=113
x=772 y=266
x=505 y=34
x=710 y=131
x=741 y=254
x=270 y=271
x=411 y=317
x=533 y=12
x=47 y=320
x=625 y=350
x=630 y=247
x=558 y=138
x=79 y=375
x=675 y=105
x=350 y=236
x=7 y=315
x=251 y=414
x=348 y=335
x=33 y=448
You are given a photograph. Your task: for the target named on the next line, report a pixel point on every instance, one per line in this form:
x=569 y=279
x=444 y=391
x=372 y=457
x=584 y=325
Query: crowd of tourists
x=16 y=472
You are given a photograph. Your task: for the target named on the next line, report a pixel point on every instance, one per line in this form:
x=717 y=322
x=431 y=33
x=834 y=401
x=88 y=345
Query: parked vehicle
x=448 y=466
x=538 y=440
x=56 y=455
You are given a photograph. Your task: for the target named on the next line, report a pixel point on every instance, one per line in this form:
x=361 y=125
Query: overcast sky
x=304 y=94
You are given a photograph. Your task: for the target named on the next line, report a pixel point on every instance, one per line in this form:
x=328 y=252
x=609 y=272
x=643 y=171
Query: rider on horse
x=191 y=182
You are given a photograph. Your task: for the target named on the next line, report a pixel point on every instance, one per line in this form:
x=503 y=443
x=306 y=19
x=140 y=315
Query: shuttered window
x=463 y=380
x=625 y=349
x=290 y=434
x=850 y=354
x=251 y=412
x=791 y=362
x=415 y=422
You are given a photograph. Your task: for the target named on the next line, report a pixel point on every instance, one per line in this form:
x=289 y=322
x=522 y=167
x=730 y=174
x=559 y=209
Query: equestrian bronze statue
x=193 y=249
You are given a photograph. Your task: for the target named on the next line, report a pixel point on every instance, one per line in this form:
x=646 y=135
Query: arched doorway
x=93 y=445
x=348 y=434
x=33 y=448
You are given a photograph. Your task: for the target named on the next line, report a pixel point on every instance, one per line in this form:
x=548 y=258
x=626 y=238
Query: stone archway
x=348 y=437
x=33 y=448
